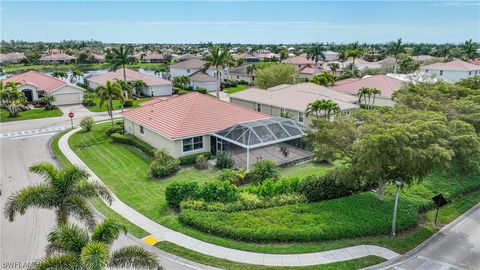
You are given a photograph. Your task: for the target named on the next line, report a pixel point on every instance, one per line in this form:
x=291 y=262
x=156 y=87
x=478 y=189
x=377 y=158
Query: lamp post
x=399 y=182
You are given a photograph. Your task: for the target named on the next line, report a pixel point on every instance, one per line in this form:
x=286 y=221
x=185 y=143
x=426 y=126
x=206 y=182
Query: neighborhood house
x=291 y=101
x=36 y=85
x=454 y=70
x=195 y=123
x=154 y=86
x=199 y=78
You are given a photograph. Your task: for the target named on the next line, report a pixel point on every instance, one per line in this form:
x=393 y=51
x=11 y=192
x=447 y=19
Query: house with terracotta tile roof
x=155 y=58
x=387 y=86
x=199 y=77
x=454 y=70
x=246 y=57
x=292 y=100
x=155 y=86
x=299 y=61
x=56 y=58
x=11 y=58
x=36 y=85
x=309 y=71
x=196 y=123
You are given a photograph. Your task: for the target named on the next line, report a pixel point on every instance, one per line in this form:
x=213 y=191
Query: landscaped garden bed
x=30 y=114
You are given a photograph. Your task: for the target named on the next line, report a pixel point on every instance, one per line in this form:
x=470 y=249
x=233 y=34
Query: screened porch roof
x=262 y=132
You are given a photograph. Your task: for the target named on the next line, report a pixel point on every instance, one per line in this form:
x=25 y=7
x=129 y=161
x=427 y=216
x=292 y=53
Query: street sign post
x=71 y=115
x=439 y=202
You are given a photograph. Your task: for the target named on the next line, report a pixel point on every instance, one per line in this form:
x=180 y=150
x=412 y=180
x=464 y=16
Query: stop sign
x=71 y=114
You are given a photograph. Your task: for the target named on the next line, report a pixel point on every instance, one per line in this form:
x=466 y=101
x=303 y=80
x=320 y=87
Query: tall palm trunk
x=353 y=65
x=218 y=78
x=381 y=190
x=373 y=103
x=110 y=108
x=395 y=66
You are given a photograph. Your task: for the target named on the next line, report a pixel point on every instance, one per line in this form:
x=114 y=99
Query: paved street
x=456 y=247
x=23 y=241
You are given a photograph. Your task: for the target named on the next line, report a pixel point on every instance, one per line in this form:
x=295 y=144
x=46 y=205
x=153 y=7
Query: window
x=142 y=131
x=259 y=107
x=238 y=77
x=301 y=117
x=441 y=72
x=41 y=94
x=282 y=111
x=469 y=73
x=188 y=70
x=426 y=70
x=191 y=144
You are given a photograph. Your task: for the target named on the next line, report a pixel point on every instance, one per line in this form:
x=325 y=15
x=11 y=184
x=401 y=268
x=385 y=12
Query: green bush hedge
x=128 y=103
x=224 y=161
x=272 y=187
x=318 y=188
x=201 y=90
x=264 y=169
x=135 y=142
x=164 y=167
x=176 y=192
x=113 y=130
x=191 y=159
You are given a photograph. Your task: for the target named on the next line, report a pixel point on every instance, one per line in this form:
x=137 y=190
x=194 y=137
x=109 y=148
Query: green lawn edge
x=403 y=243
x=36 y=113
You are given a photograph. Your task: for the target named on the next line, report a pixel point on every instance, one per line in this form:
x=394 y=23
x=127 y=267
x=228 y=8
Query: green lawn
x=305 y=169
x=116 y=104
x=124 y=170
x=235 y=89
x=30 y=114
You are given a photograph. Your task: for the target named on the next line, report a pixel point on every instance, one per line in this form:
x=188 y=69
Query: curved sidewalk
x=163 y=233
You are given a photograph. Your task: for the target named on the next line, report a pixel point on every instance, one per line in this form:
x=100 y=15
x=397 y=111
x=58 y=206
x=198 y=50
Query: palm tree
x=60 y=74
x=48 y=100
x=325 y=79
x=219 y=56
x=395 y=48
x=375 y=92
x=469 y=49
x=126 y=88
x=66 y=191
x=282 y=55
x=121 y=58
x=108 y=92
x=138 y=86
x=342 y=57
x=315 y=107
x=363 y=93
x=315 y=52
x=11 y=98
x=330 y=107
x=355 y=51
x=71 y=247
x=333 y=67
x=75 y=75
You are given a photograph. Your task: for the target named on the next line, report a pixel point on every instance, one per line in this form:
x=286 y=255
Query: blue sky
x=241 y=21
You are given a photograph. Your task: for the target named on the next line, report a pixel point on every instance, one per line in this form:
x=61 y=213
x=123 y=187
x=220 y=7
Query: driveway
x=23 y=241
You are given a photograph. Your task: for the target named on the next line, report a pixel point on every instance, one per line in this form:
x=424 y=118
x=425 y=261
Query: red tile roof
x=39 y=80
x=190 y=115
x=299 y=60
x=201 y=76
x=456 y=64
x=57 y=56
x=132 y=75
x=387 y=85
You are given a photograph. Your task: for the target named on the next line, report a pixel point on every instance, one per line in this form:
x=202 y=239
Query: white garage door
x=67 y=98
x=161 y=90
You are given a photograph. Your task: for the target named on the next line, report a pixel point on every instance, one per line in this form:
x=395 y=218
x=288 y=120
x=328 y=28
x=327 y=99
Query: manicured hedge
x=191 y=159
x=358 y=215
x=216 y=191
x=318 y=188
x=133 y=141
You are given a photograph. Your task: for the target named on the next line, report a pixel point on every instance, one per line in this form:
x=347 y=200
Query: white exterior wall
x=452 y=75
x=174 y=147
x=29 y=87
x=210 y=86
x=235 y=77
x=177 y=72
x=158 y=90
x=67 y=95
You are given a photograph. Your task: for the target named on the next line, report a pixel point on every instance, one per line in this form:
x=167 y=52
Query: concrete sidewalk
x=162 y=233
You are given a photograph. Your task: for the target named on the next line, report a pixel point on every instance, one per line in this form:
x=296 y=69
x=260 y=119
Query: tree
x=66 y=191
x=342 y=57
x=322 y=106
x=107 y=93
x=407 y=65
x=315 y=52
x=138 y=85
x=71 y=247
x=126 y=88
x=325 y=79
x=48 y=100
x=276 y=74
x=368 y=95
x=469 y=49
x=60 y=74
x=11 y=98
x=182 y=82
x=251 y=69
x=76 y=74
x=282 y=55
x=333 y=67
x=219 y=56
x=395 y=48
x=354 y=51
x=121 y=57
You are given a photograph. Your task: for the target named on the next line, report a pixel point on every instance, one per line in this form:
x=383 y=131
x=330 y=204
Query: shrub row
x=271 y=187
x=246 y=201
x=164 y=167
x=215 y=191
x=191 y=159
x=113 y=130
x=133 y=141
x=318 y=188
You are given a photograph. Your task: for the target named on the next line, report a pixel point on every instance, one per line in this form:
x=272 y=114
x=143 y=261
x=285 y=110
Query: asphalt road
x=23 y=241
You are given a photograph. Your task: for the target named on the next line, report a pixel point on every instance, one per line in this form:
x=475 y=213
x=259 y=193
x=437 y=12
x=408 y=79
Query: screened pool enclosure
x=272 y=138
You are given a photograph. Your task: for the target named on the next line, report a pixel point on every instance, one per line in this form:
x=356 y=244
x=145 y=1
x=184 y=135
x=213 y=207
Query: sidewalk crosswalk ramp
x=30 y=133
